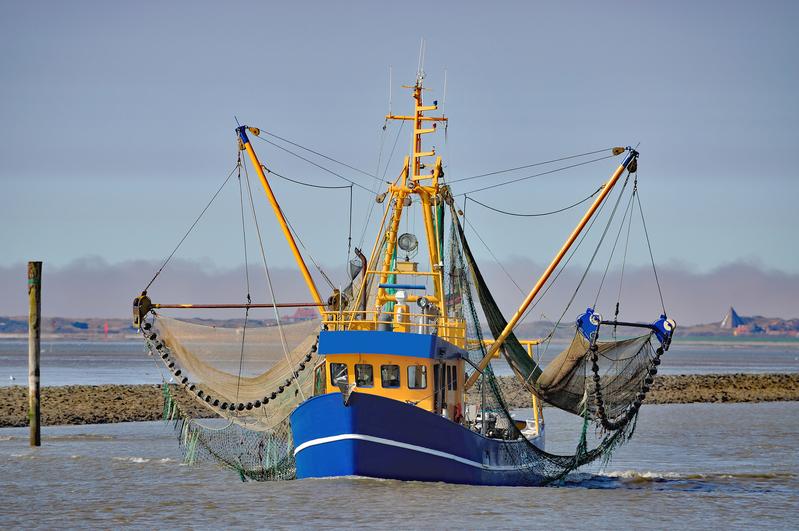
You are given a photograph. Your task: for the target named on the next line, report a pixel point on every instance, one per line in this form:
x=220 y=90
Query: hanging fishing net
x=604 y=382
x=252 y=378
x=568 y=380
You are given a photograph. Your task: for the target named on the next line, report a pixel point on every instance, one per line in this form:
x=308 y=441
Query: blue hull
x=378 y=437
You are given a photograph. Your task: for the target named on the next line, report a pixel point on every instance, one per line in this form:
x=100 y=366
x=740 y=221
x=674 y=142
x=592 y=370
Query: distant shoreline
x=102 y=404
x=691 y=341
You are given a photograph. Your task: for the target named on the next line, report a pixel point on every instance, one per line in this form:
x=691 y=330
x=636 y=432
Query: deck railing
x=447 y=328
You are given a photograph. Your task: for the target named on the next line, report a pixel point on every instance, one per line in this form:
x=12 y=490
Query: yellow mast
x=551 y=268
x=245 y=141
x=426 y=186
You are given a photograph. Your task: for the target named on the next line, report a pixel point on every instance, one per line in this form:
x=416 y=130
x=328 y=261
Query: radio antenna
x=390 y=83
x=420 y=70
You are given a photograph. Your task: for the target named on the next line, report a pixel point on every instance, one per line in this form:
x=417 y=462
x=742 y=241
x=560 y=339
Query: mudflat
x=692 y=388
x=101 y=404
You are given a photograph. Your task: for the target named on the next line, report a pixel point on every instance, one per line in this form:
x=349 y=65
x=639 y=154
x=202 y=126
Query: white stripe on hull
x=406 y=446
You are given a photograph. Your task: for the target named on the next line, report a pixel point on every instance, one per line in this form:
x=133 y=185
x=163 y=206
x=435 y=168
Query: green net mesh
x=250 y=378
x=625 y=368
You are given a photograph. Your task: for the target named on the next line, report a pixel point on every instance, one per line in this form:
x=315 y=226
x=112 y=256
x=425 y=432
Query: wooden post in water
x=34 y=340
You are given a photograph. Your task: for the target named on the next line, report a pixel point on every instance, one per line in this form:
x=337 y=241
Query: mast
x=415 y=180
x=632 y=156
x=247 y=146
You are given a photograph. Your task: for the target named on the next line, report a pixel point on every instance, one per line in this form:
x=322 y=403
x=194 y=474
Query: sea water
x=126 y=362
x=692 y=466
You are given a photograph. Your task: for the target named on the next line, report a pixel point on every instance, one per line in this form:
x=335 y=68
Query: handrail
x=159 y=306
x=398 y=273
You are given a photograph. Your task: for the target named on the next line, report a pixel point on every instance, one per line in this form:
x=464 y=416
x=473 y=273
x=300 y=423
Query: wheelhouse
x=421 y=369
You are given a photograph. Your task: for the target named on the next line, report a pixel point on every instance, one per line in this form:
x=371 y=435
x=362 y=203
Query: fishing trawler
x=395 y=380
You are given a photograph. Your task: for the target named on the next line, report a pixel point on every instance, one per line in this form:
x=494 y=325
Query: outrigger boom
x=247 y=146
x=629 y=160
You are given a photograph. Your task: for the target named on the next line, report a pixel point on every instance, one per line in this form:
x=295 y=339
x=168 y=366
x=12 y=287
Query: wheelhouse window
x=338 y=371
x=417 y=377
x=364 y=375
x=390 y=376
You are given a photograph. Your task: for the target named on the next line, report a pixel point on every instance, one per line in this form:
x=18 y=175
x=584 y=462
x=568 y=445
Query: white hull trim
x=406 y=446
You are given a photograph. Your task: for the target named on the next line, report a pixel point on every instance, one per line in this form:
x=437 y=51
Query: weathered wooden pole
x=34 y=340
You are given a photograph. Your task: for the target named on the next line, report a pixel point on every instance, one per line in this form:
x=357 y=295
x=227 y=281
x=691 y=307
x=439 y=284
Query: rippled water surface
x=688 y=466
x=125 y=362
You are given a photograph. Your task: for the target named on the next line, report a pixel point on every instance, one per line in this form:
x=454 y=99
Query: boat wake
x=142 y=460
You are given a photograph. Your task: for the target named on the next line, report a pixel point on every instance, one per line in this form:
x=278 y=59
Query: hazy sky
x=116 y=121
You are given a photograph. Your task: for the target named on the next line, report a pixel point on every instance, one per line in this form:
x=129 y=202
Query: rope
x=530 y=165
x=190 y=228
x=651 y=257
x=580 y=202
x=537 y=175
x=309 y=161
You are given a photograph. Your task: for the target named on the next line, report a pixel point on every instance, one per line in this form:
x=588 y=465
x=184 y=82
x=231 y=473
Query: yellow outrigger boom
x=247 y=146
x=630 y=159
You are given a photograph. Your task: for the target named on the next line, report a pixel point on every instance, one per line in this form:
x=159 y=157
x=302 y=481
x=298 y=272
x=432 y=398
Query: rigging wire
x=539 y=214
x=593 y=256
x=651 y=256
x=348 y=186
x=244 y=236
x=310 y=185
x=331 y=159
x=247 y=276
x=308 y=252
x=530 y=165
x=163 y=265
x=299 y=240
x=309 y=161
x=627 y=210
x=572 y=254
x=562 y=268
x=493 y=255
x=349 y=235
x=393 y=149
x=374 y=192
x=624 y=259
x=269 y=283
x=537 y=175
